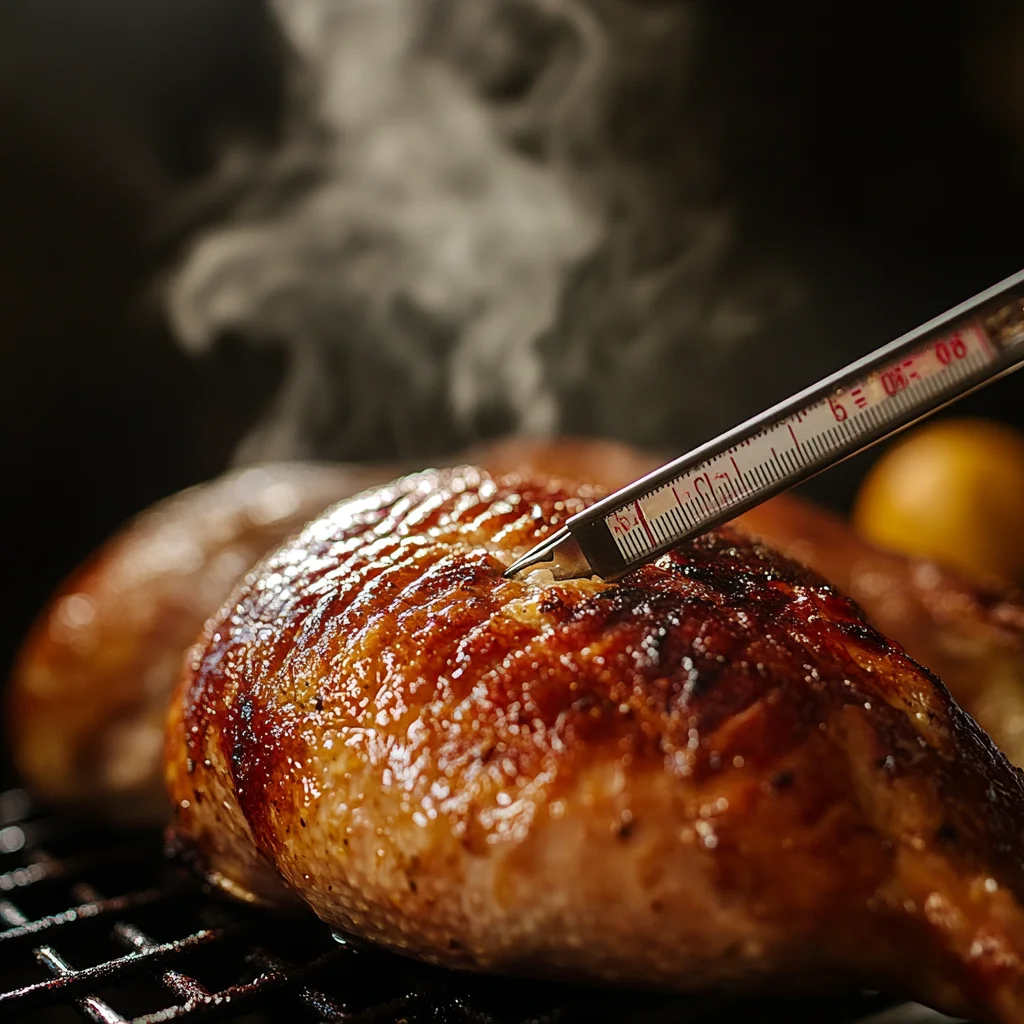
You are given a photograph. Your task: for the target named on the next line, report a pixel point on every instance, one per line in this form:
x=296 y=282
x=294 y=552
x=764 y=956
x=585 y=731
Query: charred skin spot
x=863 y=634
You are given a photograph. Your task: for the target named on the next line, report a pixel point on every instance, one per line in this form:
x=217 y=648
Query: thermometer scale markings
x=963 y=349
x=795 y=442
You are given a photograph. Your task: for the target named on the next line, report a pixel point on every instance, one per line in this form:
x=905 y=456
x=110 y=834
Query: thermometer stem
x=910 y=378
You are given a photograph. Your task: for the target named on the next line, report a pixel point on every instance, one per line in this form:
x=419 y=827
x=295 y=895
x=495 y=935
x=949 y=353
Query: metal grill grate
x=98 y=925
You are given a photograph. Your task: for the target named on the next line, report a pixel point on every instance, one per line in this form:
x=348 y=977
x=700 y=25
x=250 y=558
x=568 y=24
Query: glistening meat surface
x=713 y=773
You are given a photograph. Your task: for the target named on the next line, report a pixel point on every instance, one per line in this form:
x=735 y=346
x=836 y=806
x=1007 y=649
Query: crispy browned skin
x=712 y=773
x=970 y=636
x=89 y=692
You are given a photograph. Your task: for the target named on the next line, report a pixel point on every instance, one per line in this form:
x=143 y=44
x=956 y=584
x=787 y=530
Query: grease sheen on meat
x=712 y=773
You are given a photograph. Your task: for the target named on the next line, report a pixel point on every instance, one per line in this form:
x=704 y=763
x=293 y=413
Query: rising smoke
x=488 y=216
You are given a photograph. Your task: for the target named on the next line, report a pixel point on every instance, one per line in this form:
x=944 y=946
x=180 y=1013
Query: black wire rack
x=99 y=925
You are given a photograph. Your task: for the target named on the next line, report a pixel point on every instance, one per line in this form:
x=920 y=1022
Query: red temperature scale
x=965 y=348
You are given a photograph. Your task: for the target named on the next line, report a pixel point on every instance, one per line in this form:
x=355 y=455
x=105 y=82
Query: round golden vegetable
x=953 y=491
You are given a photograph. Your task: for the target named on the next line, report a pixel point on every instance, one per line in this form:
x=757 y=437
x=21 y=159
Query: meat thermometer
x=965 y=348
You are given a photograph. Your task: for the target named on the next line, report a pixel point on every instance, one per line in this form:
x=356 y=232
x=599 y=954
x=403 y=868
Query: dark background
x=108 y=111
x=877 y=148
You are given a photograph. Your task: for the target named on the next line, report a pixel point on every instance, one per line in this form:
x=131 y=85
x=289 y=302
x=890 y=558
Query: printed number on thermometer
x=803 y=439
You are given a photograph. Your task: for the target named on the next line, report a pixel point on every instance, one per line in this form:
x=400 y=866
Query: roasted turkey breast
x=711 y=773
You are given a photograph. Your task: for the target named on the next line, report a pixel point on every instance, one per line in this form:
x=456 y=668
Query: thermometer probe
x=965 y=348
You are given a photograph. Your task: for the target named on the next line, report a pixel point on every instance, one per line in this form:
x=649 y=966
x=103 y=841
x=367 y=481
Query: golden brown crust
x=711 y=773
x=972 y=637
x=88 y=695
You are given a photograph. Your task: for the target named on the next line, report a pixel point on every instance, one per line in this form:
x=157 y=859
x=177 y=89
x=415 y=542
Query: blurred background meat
x=386 y=229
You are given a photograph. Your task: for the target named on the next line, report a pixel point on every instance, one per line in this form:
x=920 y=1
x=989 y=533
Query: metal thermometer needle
x=902 y=382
